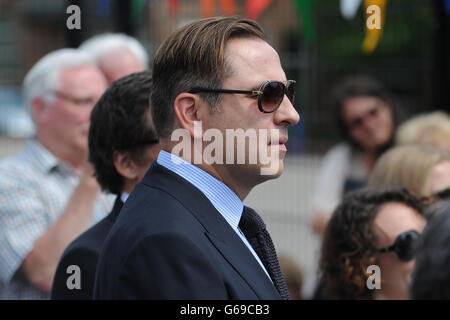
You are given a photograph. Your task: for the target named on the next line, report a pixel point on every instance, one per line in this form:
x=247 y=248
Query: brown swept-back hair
x=348 y=246
x=194 y=56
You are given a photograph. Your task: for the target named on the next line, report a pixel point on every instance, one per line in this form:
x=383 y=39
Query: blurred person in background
x=431 y=275
x=371 y=228
x=430 y=129
x=122 y=145
x=423 y=170
x=364 y=111
x=116 y=55
x=293 y=275
x=48 y=194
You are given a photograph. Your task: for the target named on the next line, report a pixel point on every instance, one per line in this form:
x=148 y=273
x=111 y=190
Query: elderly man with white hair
x=116 y=54
x=48 y=194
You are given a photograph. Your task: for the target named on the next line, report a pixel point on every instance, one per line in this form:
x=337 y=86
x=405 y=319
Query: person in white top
x=364 y=110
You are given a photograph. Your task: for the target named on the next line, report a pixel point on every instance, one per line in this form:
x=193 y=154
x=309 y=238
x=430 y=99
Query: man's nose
x=286 y=115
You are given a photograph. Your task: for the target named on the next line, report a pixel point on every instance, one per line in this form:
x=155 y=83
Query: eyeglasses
x=358 y=122
x=405 y=245
x=270 y=94
x=74 y=100
x=439 y=195
x=442 y=194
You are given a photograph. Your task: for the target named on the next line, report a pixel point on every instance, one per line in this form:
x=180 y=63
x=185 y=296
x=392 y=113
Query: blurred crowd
x=49 y=193
x=377 y=198
x=382 y=196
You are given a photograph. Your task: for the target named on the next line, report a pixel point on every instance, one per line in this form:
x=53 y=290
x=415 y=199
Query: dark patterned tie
x=256 y=233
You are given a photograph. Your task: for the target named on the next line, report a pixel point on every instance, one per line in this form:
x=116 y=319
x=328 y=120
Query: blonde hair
x=407 y=167
x=431 y=129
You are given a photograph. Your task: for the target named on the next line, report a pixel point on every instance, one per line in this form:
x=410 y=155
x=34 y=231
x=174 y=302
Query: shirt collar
x=220 y=195
x=124 y=196
x=45 y=160
x=41 y=157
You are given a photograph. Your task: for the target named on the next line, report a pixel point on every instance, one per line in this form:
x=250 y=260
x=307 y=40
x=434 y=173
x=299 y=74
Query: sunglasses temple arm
x=391 y=248
x=197 y=90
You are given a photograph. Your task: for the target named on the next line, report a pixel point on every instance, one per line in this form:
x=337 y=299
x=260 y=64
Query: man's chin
x=273 y=170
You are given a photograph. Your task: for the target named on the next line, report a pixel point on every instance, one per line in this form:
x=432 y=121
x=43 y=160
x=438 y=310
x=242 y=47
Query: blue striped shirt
x=221 y=197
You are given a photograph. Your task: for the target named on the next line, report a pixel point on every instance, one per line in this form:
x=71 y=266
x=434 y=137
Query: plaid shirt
x=34 y=189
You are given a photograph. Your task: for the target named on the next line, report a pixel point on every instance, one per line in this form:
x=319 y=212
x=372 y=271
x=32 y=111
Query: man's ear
x=188 y=109
x=38 y=111
x=125 y=165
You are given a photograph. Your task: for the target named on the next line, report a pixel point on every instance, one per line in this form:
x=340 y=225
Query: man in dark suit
x=185 y=232
x=122 y=145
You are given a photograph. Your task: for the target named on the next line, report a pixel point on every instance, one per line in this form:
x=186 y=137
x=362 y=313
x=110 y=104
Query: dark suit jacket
x=169 y=242
x=84 y=252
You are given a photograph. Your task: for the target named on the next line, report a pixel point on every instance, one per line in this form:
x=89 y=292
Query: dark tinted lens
x=290 y=91
x=442 y=194
x=273 y=93
x=406 y=245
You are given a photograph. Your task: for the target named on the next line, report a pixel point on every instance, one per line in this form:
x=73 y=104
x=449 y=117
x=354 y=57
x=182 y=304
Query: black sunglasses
x=442 y=194
x=73 y=99
x=405 y=245
x=270 y=95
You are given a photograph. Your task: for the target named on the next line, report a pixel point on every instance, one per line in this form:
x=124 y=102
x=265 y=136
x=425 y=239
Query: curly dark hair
x=121 y=121
x=348 y=246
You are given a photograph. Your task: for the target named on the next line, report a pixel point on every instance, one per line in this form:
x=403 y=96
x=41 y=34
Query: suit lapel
x=238 y=255
x=118 y=204
x=218 y=231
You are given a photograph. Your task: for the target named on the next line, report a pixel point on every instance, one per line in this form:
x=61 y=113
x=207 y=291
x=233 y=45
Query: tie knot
x=251 y=223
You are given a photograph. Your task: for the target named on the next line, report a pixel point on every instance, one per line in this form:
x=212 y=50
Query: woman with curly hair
x=371 y=227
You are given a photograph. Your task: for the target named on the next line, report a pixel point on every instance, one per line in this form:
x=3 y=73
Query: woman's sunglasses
x=405 y=245
x=442 y=194
x=270 y=95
